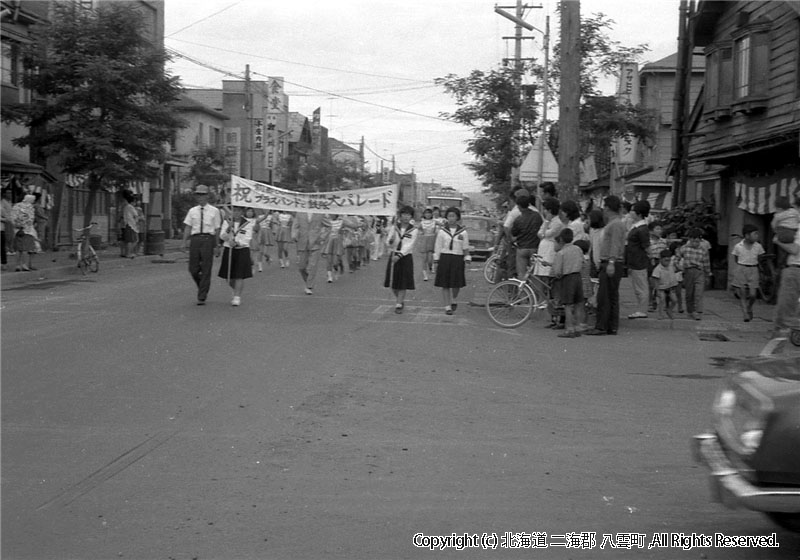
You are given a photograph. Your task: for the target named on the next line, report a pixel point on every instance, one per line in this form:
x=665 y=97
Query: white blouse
x=402 y=240
x=451 y=242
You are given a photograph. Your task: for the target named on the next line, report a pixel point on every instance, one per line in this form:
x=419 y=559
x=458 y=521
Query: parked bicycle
x=512 y=302
x=87 y=256
x=494 y=265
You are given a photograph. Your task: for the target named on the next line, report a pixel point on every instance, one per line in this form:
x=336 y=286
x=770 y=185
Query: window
x=10 y=63
x=751 y=52
x=737 y=71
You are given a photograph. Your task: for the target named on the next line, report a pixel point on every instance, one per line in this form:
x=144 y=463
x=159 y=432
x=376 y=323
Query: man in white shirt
x=203 y=223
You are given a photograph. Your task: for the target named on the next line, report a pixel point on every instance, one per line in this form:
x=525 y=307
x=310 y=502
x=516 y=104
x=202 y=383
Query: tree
x=208 y=167
x=319 y=173
x=487 y=102
x=102 y=100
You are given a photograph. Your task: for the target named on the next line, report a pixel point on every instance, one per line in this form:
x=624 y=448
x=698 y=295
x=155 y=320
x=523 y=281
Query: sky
x=370 y=65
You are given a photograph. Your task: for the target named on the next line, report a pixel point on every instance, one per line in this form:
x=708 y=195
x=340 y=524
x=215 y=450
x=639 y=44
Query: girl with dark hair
x=428 y=227
x=400 y=268
x=237 y=235
x=449 y=254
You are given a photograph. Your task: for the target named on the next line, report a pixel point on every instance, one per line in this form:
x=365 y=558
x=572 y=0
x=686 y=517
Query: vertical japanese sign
x=627 y=92
x=316 y=128
x=258 y=134
x=232 y=149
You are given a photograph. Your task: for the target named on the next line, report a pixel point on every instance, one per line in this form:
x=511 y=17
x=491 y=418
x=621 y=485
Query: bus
x=445 y=200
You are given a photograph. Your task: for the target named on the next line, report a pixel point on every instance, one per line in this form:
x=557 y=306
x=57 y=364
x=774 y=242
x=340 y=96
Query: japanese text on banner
x=376 y=201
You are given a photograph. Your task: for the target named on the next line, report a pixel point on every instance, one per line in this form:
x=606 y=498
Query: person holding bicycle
x=202 y=225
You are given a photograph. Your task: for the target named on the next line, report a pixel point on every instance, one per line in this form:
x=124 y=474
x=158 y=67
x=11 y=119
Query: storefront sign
x=377 y=201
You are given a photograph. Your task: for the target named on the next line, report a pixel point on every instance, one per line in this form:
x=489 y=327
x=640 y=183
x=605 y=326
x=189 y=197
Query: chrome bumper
x=732 y=489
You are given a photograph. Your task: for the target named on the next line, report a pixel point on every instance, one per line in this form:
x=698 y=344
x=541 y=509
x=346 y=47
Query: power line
x=413 y=80
x=202 y=20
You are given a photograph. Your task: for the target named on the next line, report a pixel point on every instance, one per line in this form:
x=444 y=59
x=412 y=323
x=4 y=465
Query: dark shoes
x=571 y=334
x=597 y=332
x=399 y=308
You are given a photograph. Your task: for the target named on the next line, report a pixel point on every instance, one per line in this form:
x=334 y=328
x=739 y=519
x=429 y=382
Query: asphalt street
x=136 y=424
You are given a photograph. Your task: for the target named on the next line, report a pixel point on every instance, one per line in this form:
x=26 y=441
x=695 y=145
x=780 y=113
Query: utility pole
x=248 y=108
x=679 y=138
x=521 y=24
x=569 y=100
x=545 y=93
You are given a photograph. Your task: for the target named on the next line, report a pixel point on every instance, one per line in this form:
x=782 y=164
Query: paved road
x=136 y=424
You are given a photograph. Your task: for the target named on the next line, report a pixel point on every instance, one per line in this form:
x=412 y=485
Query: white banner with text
x=375 y=201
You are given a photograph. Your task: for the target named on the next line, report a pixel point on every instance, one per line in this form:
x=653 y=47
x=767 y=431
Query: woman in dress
x=26 y=242
x=450 y=252
x=333 y=250
x=284 y=237
x=400 y=268
x=428 y=228
x=548 y=232
x=236 y=265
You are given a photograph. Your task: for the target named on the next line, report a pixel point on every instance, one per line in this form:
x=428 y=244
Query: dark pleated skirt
x=241 y=266
x=402 y=277
x=450 y=272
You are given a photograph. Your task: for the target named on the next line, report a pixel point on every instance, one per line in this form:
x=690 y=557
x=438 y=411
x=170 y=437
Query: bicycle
x=87 y=256
x=512 y=302
x=494 y=263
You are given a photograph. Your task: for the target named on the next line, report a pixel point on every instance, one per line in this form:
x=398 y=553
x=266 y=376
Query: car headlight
x=742 y=412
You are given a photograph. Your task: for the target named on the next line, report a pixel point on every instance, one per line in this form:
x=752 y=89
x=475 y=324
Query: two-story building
x=743 y=148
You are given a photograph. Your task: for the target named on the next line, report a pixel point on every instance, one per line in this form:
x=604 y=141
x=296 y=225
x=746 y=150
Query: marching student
x=237 y=235
x=449 y=254
x=400 y=268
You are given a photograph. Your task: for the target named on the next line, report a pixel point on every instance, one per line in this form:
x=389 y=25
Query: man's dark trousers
x=201 y=260
x=608 y=299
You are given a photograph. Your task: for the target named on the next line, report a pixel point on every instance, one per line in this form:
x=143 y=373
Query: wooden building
x=743 y=131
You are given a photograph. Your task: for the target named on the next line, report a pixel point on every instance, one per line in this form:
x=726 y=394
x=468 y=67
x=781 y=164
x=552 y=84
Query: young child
x=696 y=268
x=786 y=220
x=657 y=244
x=745 y=275
x=567 y=267
x=673 y=247
x=666 y=277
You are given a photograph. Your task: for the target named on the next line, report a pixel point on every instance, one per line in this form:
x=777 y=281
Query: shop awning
x=756 y=197
x=10 y=164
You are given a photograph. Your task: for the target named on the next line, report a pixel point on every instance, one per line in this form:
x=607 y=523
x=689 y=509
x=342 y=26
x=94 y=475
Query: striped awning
x=760 y=198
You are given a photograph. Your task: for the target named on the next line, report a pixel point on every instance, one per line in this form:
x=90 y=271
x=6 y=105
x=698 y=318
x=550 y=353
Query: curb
x=65 y=272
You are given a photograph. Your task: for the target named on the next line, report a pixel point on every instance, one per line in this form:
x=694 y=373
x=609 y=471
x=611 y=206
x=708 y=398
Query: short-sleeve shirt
x=747 y=256
x=211 y=218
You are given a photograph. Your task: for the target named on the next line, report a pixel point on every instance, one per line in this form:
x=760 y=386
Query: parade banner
x=376 y=201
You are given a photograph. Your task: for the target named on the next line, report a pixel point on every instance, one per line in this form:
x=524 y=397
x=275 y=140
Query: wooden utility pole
x=679 y=138
x=569 y=100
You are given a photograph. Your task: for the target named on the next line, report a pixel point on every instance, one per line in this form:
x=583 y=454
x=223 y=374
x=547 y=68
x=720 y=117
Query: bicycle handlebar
x=90 y=226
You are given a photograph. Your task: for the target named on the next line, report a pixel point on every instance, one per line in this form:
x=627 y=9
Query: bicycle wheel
x=93 y=263
x=510 y=304
x=490 y=269
x=83 y=265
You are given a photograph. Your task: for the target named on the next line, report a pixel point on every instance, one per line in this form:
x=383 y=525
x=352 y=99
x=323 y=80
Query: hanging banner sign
x=376 y=201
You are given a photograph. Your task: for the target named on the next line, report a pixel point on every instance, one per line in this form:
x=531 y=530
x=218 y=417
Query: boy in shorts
x=666 y=277
x=745 y=275
x=567 y=267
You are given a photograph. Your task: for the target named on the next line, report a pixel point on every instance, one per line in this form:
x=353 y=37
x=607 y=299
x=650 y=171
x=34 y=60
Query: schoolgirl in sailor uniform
x=449 y=254
x=334 y=249
x=400 y=268
x=237 y=233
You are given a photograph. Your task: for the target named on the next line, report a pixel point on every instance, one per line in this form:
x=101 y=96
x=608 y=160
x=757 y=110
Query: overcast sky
x=370 y=64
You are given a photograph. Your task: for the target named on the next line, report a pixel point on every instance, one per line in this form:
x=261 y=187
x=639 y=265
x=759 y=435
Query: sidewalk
x=721 y=312
x=62 y=264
